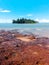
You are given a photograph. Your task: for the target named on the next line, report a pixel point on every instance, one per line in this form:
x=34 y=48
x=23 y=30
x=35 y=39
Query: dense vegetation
x=24 y=21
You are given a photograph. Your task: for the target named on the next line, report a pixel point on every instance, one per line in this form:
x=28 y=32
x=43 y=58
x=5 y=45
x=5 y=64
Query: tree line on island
x=23 y=21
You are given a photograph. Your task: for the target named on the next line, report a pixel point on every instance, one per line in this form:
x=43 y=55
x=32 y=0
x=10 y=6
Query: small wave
x=38 y=29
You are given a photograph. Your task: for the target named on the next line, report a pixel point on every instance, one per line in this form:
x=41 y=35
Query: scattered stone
x=14 y=51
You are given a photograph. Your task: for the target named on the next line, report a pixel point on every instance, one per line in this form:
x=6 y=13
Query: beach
x=23 y=49
x=24 y=32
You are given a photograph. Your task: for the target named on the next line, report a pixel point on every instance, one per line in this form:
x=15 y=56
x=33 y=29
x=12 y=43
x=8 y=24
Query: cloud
x=29 y=15
x=5 y=21
x=42 y=20
x=2 y=10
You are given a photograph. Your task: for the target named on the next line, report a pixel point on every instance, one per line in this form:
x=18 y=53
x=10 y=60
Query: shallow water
x=39 y=29
x=37 y=25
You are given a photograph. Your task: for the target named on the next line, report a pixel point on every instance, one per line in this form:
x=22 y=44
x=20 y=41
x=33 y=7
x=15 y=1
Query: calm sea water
x=39 y=29
x=10 y=25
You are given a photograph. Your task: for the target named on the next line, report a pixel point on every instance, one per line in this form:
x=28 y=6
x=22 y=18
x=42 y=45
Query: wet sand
x=23 y=49
x=26 y=39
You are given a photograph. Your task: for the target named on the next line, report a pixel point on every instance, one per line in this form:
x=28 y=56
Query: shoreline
x=38 y=32
x=23 y=49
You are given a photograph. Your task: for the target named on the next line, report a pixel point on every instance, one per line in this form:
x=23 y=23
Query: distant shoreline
x=23 y=21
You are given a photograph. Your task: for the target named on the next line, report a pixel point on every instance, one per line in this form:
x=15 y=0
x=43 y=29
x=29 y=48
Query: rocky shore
x=18 y=49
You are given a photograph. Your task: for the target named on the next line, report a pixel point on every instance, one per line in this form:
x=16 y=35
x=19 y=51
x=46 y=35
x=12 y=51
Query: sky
x=31 y=9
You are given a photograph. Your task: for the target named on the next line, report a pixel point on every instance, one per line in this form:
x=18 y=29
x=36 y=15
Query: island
x=24 y=21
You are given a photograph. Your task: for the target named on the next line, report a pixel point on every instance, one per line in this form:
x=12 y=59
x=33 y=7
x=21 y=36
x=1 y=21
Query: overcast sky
x=33 y=9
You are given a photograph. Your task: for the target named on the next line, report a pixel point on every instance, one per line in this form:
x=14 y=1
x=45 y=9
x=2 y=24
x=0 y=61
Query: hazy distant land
x=24 y=21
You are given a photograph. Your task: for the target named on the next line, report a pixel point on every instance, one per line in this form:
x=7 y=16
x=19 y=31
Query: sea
x=38 y=29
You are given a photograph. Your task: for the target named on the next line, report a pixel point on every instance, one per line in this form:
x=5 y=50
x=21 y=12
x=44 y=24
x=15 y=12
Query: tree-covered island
x=23 y=21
